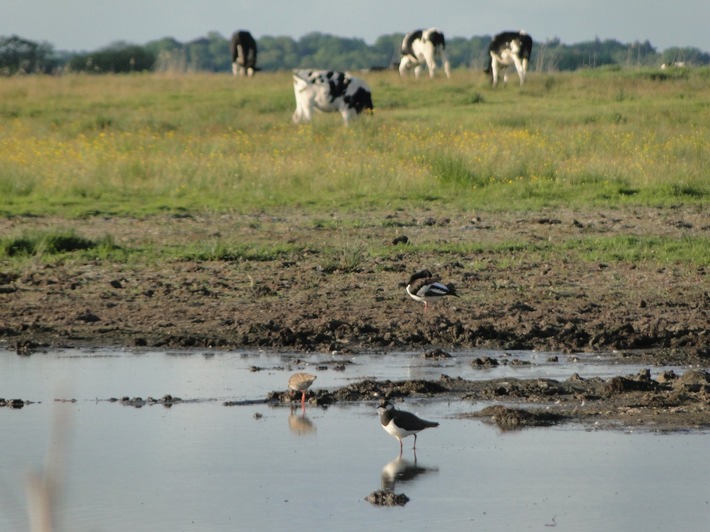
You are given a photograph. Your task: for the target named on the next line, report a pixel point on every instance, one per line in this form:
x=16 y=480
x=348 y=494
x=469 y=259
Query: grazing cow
x=243 y=48
x=672 y=64
x=509 y=48
x=423 y=47
x=325 y=91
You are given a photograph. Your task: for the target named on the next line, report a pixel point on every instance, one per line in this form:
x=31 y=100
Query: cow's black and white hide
x=509 y=48
x=243 y=49
x=326 y=91
x=423 y=47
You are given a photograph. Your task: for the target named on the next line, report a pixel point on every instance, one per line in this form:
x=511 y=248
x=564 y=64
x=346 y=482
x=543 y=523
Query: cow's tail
x=299 y=81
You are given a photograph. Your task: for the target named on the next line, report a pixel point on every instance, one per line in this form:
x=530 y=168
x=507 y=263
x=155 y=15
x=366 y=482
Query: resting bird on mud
x=423 y=286
x=401 y=424
x=300 y=382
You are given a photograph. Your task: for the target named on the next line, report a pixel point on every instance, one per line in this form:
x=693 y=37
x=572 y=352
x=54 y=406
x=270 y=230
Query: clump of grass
x=348 y=259
x=453 y=170
x=52 y=243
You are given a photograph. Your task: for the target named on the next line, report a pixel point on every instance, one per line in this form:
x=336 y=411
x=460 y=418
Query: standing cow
x=326 y=91
x=509 y=48
x=243 y=48
x=423 y=47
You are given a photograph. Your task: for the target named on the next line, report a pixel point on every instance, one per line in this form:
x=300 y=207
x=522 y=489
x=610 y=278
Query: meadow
x=148 y=144
x=187 y=211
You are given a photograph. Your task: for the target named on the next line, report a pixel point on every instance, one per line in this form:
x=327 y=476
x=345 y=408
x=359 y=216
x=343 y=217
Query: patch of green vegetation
x=346 y=259
x=138 y=146
x=654 y=249
x=220 y=250
x=56 y=244
x=454 y=170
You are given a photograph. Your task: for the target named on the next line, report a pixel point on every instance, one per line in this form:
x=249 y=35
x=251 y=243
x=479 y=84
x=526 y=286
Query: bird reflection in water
x=401 y=470
x=299 y=423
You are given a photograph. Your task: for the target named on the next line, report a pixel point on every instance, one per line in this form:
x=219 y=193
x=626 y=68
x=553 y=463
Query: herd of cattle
x=327 y=90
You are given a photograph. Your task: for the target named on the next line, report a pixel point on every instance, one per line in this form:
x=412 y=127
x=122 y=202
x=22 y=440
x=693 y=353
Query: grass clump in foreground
x=146 y=144
x=55 y=244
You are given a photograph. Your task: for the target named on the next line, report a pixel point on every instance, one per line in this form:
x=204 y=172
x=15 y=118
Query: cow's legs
x=404 y=65
x=519 y=67
x=447 y=66
x=523 y=71
x=494 y=70
x=429 y=57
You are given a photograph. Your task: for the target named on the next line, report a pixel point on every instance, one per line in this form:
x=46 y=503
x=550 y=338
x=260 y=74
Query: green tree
x=19 y=55
x=688 y=56
x=117 y=57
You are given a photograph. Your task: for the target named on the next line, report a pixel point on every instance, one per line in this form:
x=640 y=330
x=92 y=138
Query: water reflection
x=300 y=424
x=402 y=470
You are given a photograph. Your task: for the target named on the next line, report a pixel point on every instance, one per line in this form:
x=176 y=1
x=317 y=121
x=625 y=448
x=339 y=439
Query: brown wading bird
x=300 y=382
x=423 y=286
x=401 y=424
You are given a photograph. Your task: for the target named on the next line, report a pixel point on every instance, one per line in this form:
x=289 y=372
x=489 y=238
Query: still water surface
x=202 y=466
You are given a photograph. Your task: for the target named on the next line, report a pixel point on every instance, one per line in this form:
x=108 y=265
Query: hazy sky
x=86 y=25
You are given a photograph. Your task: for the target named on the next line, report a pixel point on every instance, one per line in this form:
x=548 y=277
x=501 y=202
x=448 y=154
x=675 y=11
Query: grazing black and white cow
x=509 y=48
x=243 y=48
x=325 y=91
x=423 y=47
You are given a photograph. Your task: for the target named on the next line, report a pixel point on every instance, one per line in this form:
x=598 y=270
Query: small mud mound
x=138 y=402
x=14 y=403
x=484 y=363
x=641 y=382
x=387 y=498
x=517 y=418
x=436 y=354
x=367 y=390
x=695 y=380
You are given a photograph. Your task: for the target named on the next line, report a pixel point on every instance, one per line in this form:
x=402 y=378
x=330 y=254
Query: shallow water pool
x=205 y=466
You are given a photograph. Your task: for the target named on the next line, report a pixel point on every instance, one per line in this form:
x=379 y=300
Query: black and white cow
x=243 y=48
x=326 y=91
x=509 y=48
x=423 y=47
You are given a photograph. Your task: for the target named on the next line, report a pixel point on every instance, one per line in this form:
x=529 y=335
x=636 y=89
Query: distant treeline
x=320 y=50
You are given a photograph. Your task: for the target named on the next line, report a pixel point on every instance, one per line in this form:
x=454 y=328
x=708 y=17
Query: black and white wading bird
x=401 y=424
x=300 y=382
x=423 y=286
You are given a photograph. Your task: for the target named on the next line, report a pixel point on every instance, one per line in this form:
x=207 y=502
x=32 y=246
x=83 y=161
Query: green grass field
x=140 y=145
x=147 y=143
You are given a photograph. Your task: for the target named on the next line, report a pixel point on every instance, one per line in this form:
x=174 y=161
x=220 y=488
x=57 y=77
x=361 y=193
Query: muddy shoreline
x=310 y=301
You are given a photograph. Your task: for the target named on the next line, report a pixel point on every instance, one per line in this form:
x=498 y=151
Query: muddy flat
x=510 y=298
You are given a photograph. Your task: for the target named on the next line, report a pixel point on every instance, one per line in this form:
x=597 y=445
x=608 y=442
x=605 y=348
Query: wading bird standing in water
x=401 y=424
x=300 y=382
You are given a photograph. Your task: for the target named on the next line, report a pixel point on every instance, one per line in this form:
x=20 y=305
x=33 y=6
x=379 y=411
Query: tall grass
x=153 y=143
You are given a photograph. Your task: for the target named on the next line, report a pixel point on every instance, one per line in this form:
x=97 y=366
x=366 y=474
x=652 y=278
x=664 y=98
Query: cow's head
x=360 y=99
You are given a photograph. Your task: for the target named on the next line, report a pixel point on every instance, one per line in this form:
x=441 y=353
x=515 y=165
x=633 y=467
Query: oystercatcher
x=423 y=286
